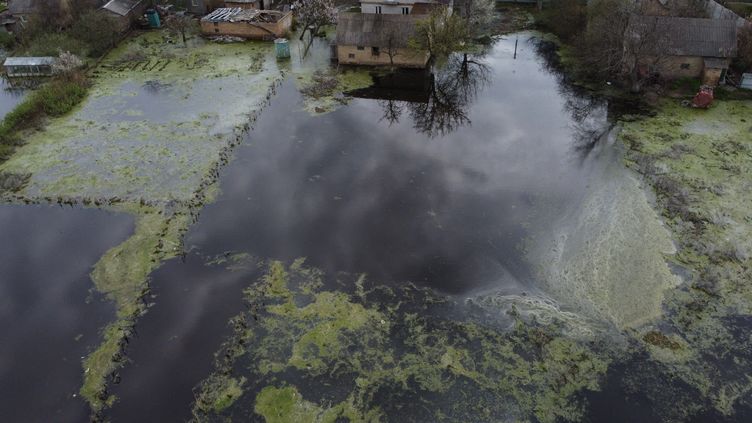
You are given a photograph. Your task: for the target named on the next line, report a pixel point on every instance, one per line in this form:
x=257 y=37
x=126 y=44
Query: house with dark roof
x=691 y=47
x=378 y=40
x=379 y=33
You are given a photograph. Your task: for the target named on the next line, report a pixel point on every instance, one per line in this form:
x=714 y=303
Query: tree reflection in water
x=437 y=103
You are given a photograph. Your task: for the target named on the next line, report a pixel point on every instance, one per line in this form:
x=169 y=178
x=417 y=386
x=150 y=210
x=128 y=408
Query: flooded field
x=10 y=96
x=466 y=245
x=51 y=318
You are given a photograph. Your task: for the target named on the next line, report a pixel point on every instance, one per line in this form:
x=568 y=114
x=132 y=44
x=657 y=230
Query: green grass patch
x=742 y=9
x=52 y=99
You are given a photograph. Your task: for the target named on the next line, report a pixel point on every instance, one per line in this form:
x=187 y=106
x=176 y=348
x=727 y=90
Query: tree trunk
x=635 y=83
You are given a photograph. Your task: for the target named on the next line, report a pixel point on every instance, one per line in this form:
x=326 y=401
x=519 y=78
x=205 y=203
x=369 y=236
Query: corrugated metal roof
x=374 y=30
x=693 y=36
x=121 y=7
x=29 y=61
x=237 y=14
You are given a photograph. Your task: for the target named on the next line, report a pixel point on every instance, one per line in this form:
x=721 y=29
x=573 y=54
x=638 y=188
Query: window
x=194 y=3
x=405 y=10
x=351 y=55
x=361 y=48
x=216 y=29
x=685 y=65
x=378 y=10
x=375 y=51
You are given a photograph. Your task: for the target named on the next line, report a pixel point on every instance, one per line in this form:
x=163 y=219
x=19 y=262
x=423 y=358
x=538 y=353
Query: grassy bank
x=55 y=98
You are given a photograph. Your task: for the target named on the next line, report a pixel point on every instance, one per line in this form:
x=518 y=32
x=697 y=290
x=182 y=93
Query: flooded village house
x=379 y=34
x=692 y=47
x=247 y=23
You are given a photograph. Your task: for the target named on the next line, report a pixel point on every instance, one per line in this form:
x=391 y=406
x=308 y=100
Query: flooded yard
x=462 y=245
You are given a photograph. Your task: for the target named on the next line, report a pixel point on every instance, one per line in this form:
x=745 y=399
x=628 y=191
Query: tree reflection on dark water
x=441 y=100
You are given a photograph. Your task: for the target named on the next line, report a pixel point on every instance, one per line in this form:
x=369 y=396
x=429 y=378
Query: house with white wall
x=402 y=7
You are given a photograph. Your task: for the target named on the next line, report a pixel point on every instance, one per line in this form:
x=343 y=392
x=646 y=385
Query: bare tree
x=391 y=46
x=392 y=110
x=477 y=14
x=645 y=48
x=180 y=25
x=313 y=15
x=620 y=42
x=451 y=93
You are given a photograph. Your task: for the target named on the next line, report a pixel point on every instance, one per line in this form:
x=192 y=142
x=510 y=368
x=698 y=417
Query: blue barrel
x=153 y=17
x=283 y=48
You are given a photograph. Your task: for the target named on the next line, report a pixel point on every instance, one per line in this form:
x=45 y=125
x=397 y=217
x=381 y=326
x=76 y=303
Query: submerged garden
x=216 y=235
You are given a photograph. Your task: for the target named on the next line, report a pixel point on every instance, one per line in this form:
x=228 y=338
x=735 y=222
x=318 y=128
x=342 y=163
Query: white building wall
x=385 y=8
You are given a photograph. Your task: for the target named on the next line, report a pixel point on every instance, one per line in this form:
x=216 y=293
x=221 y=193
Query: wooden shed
x=28 y=66
x=125 y=12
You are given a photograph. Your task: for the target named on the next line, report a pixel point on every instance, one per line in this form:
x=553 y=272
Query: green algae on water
x=122 y=274
x=313 y=348
x=699 y=162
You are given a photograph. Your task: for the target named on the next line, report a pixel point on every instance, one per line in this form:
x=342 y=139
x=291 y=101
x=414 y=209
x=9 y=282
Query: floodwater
x=436 y=182
x=50 y=319
x=10 y=96
x=451 y=186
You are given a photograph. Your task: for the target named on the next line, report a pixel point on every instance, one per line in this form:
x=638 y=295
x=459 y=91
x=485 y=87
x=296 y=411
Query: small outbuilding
x=28 y=66
x=124 y=12
x=247 y=23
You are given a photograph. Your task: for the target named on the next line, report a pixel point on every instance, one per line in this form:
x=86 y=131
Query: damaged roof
x=237 y=14
x=121 y=7
x=694 y=36
x=375 y=30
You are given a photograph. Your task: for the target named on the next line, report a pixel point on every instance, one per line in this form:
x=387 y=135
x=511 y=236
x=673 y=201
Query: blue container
x=153 y=17
x=283 y=48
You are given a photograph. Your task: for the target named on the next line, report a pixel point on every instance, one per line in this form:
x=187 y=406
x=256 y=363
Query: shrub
x=565 y=18
x=7 y=40
x=743 y=62
x=98 y=32
x=59 y=97
x=50 y=44
x=52 y=99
